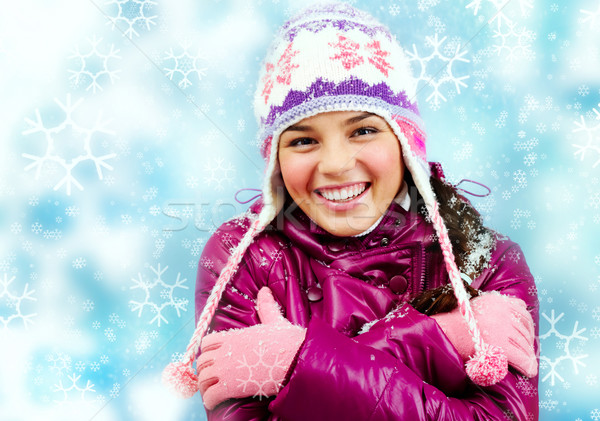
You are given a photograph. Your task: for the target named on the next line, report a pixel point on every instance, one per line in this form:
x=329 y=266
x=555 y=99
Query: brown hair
x=471 y=241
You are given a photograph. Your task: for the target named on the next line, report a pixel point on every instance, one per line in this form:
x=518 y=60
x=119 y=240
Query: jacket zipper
x=422 y=255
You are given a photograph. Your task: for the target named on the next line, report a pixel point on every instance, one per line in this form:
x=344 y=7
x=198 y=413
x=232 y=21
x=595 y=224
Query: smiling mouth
x=344 y=194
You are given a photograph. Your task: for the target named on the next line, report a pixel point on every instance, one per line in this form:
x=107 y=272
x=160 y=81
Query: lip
x=343 y=206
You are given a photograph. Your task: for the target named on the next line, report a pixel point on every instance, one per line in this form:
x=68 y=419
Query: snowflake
x=591 y=135
x=60 y=363
x=530 y=159
x=520 y=48
x=520 y=177
x=219 y=173
x=14 y=303
x=590 y=17
x=114 y=392
x=436 y=78
x=258 y=365
x=596 y=314
x=500 y=16
x=110 y=334
x=348 y=52
x=80 y=154
x=150 y=194
x=583 y=90
x=142 y=343
x=439 y=27
x=566 y=346
x=113 y=318
x=191 y=182
x=93 y=65
x=526 y=387
x=426 y=4
x=378 y=56
x=548 y=404
x=79 y=263
x=73 y=387
x=285 y=65
x=133 y=13
x=185 y=65
x=80 y=366
x=88 y=305
x=72 y=211
x=166 y=295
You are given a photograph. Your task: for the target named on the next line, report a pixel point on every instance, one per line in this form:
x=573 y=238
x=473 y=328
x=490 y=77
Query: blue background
x=152 y=103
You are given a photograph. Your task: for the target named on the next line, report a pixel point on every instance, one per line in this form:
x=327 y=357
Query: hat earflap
x=181 y=376
x=489 y=365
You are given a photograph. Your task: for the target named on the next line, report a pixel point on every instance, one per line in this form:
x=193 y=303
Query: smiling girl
x=361 y=286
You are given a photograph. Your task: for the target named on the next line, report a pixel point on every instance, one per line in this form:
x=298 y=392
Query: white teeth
x=344 y=194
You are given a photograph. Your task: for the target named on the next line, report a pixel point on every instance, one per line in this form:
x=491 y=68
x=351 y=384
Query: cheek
x=294 y=171
x=384 y=163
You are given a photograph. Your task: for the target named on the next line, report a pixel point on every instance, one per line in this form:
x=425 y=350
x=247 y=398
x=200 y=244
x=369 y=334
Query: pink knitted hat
x=333 y=57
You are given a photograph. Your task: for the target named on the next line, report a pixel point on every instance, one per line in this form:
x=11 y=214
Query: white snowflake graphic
x=591 y=137
x=436 y=78
x=59 y=363
x=167 y=298
x=70 y=152
x=514 y=44
x=143 y=342
x=72 y=392
x=93 y=66
x=219 y=173
x=184 y=65
x=565 y=344
x=591 y=16
x=500 y=14
x=14 y=302
x=263 y=386
x=133 y=13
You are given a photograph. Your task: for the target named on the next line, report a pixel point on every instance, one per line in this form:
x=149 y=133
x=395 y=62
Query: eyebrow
x=348 y=122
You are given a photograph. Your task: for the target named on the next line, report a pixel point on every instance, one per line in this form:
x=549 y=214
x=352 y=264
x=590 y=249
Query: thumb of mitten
x=268 y=309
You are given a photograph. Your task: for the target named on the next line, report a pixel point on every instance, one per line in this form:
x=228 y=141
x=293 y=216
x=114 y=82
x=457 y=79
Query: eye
x=302 y=141
x=363 y=131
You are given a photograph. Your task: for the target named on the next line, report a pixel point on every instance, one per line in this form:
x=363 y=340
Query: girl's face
x=342 y=168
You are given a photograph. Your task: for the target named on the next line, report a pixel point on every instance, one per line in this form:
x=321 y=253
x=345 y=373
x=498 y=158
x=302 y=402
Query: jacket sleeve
x=236 y=309
x=405 y=367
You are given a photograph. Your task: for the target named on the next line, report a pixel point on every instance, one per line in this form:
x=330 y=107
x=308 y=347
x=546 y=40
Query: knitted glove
x=503 y=321
x=251 y=361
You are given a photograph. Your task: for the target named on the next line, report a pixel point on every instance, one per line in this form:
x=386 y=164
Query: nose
x=336 y=158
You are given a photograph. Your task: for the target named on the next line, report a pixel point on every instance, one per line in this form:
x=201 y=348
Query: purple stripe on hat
x=340 y=9
x=353 y=86
x=340 y=24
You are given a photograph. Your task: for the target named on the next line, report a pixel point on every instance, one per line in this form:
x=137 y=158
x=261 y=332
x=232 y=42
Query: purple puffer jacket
x=403 y=367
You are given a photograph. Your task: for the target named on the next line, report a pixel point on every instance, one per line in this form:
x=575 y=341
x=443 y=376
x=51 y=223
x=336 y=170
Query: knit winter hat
x=333 y=57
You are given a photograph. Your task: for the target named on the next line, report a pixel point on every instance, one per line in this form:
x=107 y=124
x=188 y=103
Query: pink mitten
x=252 y=361
x=503 y=321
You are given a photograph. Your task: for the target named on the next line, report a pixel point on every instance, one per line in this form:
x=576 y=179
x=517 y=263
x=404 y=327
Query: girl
x=346 y=292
